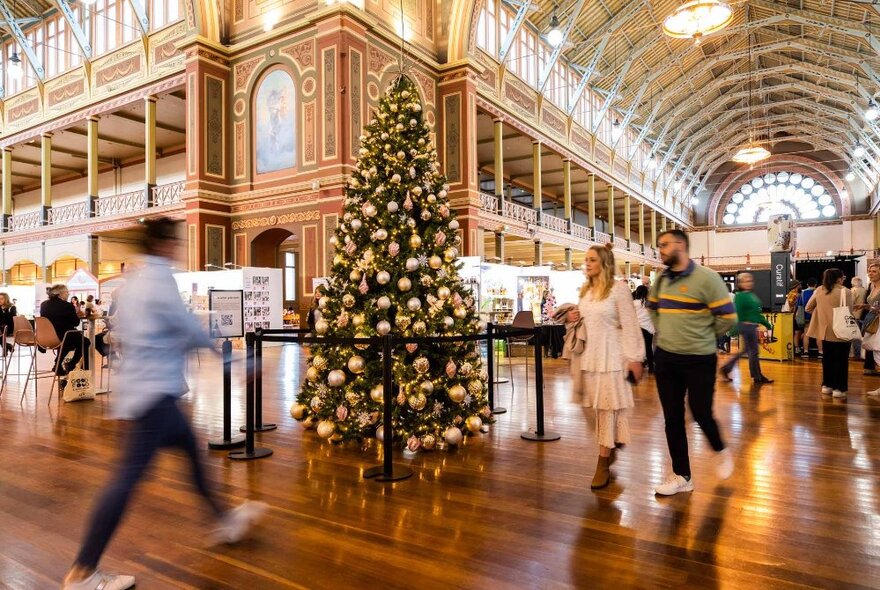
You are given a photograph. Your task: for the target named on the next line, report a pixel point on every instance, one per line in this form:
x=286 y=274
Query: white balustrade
x=620 y=244
x=489 y=203
x=24 y=221
x=580 y=231
x=554 y=223
x=519 y=213
x=168 y=194
x=68 y=213
x=124 y=203
x=601 y=237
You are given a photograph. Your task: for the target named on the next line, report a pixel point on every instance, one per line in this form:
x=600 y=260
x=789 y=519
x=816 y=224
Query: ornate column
x=539 y=253
x=653 y=228
x=499 y=161
x=499 y=246
x=591 y=202
x=150 y=146
x=536 y=177
x=568 y=258
x=7 y=187
x=642 y=224
x=627 y=228
x=663 y=220
x=566 y=190
x=611 y=231
x=45 y=176
x=92 y=164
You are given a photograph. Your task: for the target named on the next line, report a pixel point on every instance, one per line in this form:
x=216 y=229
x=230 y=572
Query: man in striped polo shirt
x=691 y=307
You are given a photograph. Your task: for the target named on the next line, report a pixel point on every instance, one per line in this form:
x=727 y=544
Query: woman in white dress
x=614 y=349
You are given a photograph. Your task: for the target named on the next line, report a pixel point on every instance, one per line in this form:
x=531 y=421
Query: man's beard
x=670 y=259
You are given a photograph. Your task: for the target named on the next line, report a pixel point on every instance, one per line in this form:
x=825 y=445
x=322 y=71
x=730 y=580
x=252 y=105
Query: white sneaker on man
x=724 y=465
x=826 y=390
x=674 y=484
x=837 y=394
x=101 y=581
x=235 y=524
x=874 y=392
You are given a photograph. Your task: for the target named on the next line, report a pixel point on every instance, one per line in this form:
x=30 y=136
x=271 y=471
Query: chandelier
x=695 y=19
x=751 y=155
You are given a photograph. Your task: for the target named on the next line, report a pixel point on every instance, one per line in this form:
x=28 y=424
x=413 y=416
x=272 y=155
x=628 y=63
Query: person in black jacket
x=7 y=312
x=63 y=316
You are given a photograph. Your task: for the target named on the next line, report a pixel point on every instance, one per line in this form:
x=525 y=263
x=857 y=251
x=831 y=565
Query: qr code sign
x=226 y=319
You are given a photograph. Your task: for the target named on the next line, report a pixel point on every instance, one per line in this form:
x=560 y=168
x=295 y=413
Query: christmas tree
x=549 y=305
x=395 y=271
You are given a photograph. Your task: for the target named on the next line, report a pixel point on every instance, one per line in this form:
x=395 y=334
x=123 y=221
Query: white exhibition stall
x=262 y=287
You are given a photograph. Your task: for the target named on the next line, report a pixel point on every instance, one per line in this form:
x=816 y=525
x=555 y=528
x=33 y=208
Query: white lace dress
x=613 y=339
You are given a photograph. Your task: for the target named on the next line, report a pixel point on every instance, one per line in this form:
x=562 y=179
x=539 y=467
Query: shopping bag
x=79 y=386
x=871 y=342
x=845 y=325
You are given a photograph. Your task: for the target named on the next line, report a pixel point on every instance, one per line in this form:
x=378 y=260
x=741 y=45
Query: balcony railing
x=68 y=213
x=24 y=221
x=124 y=203
x=519 y=213
x=581 y=231
x=489 y=203
x=635 y=248
x=168 y=194
x=620 y=244
x=554 y=223
x=601 y=237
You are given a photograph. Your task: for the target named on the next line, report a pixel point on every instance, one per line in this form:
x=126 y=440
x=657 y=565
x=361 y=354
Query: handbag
x=79 y=386
x=871 y=326
x=844 y=323
x=871 y=342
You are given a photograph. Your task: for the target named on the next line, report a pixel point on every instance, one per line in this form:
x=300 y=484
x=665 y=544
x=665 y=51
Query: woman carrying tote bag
x=832 y=301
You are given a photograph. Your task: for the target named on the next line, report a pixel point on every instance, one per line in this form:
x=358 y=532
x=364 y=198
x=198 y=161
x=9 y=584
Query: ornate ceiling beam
x=515 y=26
x=81 y=38
x=141 y=13
x=587 y=74
x=557 y=51
x=15 y=29
x=607 y=28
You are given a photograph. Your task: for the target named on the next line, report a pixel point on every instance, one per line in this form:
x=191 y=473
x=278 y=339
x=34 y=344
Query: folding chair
x=523 y=320
x=23 y=337
x=46 y=337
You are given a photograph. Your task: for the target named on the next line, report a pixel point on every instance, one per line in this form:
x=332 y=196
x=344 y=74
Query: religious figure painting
x=275 y=131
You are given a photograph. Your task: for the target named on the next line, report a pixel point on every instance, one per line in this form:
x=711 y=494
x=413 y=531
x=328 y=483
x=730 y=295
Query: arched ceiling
x=815 y=64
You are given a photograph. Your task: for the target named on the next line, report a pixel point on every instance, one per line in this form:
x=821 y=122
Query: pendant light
x=858 y=150
x=554 y=36
x=698 y=18
x=753 y=152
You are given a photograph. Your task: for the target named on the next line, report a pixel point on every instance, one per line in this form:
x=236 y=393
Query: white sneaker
x=235 y=524
x=724 y=466
x=674 y=484
x=101 y=581
x=837 y=394
x=875 y=392
x=826 y=390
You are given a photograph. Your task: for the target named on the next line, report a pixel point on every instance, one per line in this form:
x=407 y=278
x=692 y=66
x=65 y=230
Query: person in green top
x=748 y=312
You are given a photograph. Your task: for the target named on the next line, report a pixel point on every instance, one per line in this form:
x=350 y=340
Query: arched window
x=774 y=193
x=275 y=123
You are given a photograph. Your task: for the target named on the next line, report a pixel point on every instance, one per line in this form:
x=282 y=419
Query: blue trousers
x=749 y=333
x=162 y=426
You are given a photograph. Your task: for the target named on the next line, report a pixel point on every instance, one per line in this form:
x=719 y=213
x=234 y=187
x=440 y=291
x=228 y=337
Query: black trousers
x=79 y=344
x=835 y=364
x=680 y=375
x=649 y=349
x=162 y=426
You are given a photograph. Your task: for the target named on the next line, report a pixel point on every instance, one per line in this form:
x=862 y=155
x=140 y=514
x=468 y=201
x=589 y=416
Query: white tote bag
x=845 y=325
x=871 y=342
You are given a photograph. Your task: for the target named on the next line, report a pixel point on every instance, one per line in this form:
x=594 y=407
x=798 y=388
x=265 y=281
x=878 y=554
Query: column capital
x=92 y=118
x=498 y=120
x=47 y=134
x=536 y=142
x=151 y=98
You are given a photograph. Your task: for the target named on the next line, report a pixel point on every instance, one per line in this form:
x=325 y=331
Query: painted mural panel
x=274 y=125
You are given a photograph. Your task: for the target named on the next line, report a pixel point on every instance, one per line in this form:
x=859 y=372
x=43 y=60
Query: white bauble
x=380 y=234
x=356 y=364
x=380 y=434
x=321 y=326
x=435 y=262
x=448 y=322
x=404 y=284
x=395 y=179
x=297 y=411
x=323 y=301
x=356 y=224
x=383 y=277
x=336 y=378
x=453 y=224
x=393 y=206
x=383 y=327
x=453 y=436
x=383 y=302
x=326 y=428
x=442 y=194
x=426 y=215
x=363 y=152
x=376 y=393
x=412 y=264
x=370 y=210
x=334 y=241
x=414 y=304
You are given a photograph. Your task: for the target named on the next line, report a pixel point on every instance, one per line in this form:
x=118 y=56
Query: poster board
x=227 y=313
x=263 y=304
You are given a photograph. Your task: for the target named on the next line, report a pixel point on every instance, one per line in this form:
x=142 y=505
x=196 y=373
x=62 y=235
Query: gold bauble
x=356 y=364
x=415 y=241
x=417 y=402
x=326 y=428
x=473 y=423
x=443 y=292
x=457 y=393
x=319 y=362
x=450 y=254
x=435 y=262
x=428 y=442
x=309 y=422
x=297 y=411
x=377 y=393
x=358 y=320
x=460 y=312
x=313 y=374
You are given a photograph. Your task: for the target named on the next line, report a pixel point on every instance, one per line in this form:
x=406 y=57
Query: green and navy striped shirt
x=690 y=309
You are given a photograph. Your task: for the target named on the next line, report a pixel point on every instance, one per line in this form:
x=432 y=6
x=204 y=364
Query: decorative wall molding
x=272 y=220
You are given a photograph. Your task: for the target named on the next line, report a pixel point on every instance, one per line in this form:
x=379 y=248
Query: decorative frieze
x=272 y=220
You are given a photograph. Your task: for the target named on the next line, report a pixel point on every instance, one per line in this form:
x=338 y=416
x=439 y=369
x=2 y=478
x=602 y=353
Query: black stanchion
x=228 y=441
x=490 y=330
x=388 y=471
x=259 y=426
x=250 y=452
x=490 y=367
x=539 y=434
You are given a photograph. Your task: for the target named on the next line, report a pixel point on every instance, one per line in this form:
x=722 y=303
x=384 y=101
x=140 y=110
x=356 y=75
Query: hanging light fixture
x=698 y=18
x=616 y=130
x=753 y=152
x=873 y=112
x=15 y=69
x=850 y=176
x=858 y=150
x=554 y=35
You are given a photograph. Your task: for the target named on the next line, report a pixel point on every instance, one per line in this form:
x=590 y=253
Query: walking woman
x=614 y=351
x=835 y=359
x=640 y=295
x=749 y=318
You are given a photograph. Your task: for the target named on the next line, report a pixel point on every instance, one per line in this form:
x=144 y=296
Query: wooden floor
x=802 y=510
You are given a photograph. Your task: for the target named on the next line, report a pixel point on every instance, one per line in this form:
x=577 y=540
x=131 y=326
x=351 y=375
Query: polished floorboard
x=801 y=511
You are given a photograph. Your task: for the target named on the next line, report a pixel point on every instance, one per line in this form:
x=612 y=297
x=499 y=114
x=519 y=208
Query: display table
x=782 y=349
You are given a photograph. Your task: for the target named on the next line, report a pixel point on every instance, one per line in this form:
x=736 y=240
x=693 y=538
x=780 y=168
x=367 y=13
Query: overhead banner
x=780 y=277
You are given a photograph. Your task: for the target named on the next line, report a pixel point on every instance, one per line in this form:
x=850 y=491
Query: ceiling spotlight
x=652 y=163
x=616 y=130
x=850 y=176
x=859 y=150
x=873 y=112
x=554 y=35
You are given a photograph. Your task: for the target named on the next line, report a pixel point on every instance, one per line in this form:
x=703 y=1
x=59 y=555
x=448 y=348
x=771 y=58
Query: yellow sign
x=782 y=349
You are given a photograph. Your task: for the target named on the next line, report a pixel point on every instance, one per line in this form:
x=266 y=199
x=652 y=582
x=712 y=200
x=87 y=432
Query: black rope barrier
x=259 y=426
x=250 y=450
x=228 y=441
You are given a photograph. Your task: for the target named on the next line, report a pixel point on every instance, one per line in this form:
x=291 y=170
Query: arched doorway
x=278 y=248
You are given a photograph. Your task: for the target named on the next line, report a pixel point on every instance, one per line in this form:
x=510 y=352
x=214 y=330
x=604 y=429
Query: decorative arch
x=204 y=16
x=785 y=162
x=462 y=38
x=274 y=121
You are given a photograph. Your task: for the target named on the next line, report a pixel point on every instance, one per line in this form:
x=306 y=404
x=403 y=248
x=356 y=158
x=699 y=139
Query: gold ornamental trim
x=296 y=217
